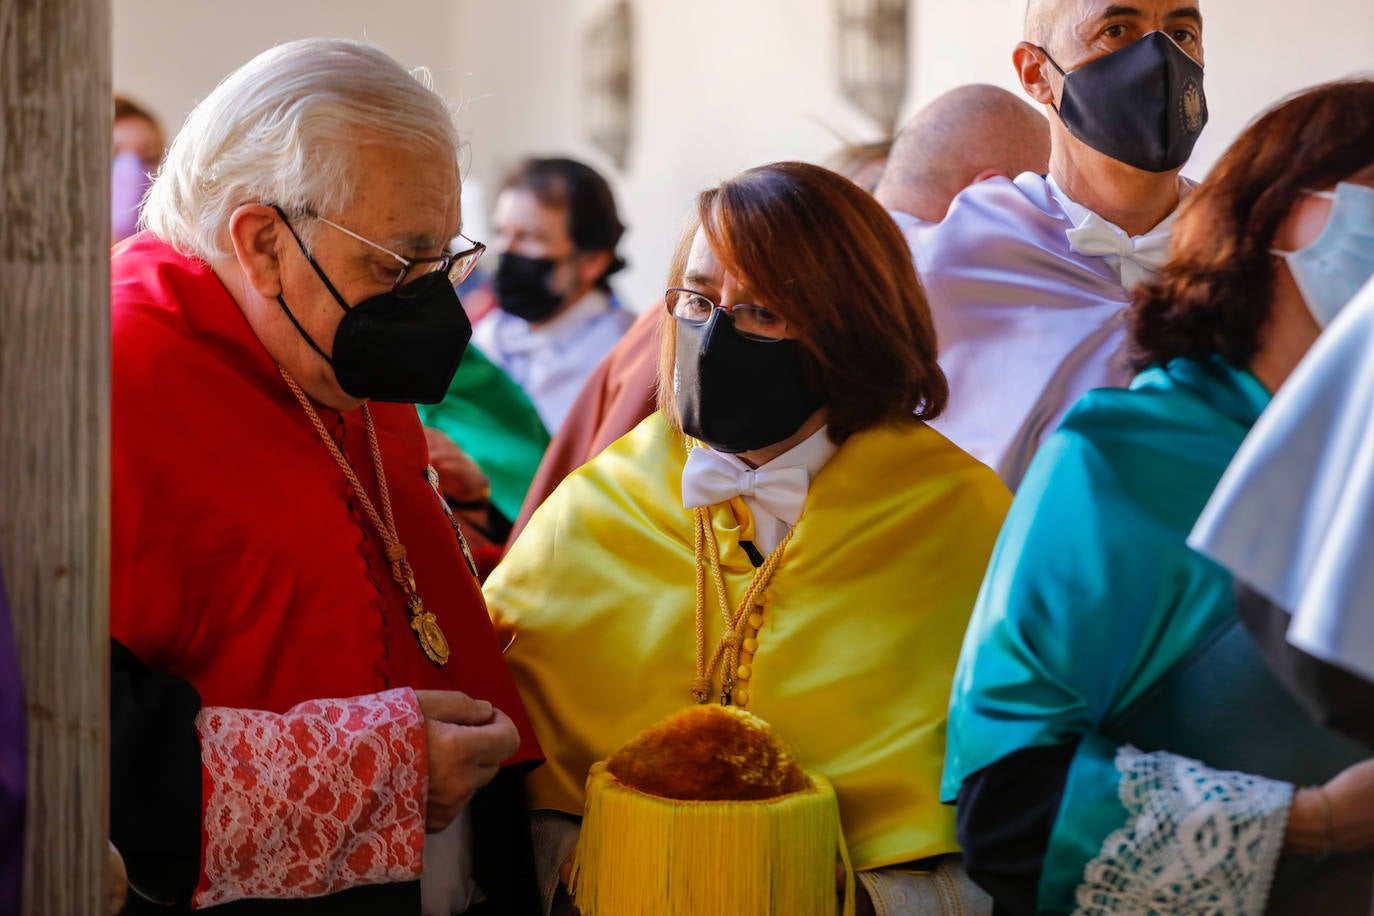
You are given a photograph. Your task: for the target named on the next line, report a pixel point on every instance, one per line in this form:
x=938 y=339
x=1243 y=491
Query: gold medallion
x=431 y=637
x=427 y=631
x=424 y=623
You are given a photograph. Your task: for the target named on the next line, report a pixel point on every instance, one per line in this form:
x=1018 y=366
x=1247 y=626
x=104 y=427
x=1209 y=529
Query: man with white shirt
x=1029 y=279
x=555 y=228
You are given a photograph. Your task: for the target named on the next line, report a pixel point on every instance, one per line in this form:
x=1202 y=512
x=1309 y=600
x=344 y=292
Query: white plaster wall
x=169 y=54
x=720 y=84
x=725 y=84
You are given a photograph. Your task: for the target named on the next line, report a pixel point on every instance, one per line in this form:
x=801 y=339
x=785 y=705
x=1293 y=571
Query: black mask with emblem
x=1142 y=104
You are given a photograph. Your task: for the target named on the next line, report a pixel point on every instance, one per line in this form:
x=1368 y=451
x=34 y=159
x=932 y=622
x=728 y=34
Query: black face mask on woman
x=738 y=393
x=402 y=346
x=1142 y=104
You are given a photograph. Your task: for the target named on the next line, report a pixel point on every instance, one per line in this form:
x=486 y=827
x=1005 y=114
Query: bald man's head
x=966 y=135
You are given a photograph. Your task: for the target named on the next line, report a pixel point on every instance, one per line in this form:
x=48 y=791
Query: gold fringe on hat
x=644 y=855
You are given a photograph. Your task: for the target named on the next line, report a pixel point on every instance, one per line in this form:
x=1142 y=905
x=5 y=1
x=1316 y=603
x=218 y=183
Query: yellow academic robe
x=862 y=622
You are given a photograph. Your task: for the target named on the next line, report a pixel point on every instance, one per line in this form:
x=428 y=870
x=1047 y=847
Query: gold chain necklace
x=423 y=622
x=740 y=639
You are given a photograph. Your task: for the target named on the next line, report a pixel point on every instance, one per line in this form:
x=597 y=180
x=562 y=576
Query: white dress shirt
x=550 y=362
x=1132 y=257
x=1026 y=289
x=775 y=491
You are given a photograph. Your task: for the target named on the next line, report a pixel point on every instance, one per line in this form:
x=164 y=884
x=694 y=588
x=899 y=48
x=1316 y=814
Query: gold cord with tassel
x=425 y=625
x=736 y=621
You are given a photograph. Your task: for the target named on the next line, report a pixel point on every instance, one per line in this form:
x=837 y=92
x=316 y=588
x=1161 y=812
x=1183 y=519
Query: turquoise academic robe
x=1093 y=601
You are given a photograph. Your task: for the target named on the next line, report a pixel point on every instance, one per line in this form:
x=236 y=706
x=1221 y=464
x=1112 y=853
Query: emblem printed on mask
x=1194 y=111
x=1142 y=104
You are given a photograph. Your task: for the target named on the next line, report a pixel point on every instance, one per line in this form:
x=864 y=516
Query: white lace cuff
x=1196 y=840
x=326 y=796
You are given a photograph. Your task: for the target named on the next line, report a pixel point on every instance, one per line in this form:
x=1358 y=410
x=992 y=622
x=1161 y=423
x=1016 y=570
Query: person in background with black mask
x=307 y=696
x=555 y=229
x=1029 y=278
x=789 y=485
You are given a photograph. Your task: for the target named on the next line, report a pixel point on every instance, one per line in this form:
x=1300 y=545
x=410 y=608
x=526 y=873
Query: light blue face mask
x=1331 y=270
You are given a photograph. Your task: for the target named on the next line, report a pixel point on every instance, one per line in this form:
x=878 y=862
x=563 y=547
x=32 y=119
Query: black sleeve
x=503 y=853
x=155 y=778
x=1006 y=813
x=1333 y=697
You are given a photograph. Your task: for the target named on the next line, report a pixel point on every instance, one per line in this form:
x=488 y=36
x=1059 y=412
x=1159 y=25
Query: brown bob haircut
x=820 y=252
x=1213 y=296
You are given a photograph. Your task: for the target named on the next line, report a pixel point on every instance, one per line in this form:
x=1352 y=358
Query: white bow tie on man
x=710 y=477
x=1134 y=258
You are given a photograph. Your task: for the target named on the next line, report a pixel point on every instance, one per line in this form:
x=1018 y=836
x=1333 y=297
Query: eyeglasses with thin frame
x=457 y=266
x=751 y=320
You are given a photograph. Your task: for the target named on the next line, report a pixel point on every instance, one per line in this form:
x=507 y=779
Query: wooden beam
x=54 y=428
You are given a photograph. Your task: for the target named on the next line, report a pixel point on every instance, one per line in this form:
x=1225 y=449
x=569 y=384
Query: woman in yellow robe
x=789 y=472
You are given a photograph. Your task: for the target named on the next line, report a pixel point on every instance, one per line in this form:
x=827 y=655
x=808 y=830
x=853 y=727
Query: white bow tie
x=709 y=478
x=1139 y=256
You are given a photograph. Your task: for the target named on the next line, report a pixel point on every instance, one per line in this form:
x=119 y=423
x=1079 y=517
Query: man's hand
x=466 y=741
x=459 y=475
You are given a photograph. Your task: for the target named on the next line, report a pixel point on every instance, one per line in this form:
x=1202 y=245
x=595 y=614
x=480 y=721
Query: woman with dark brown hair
x=1116 y=743
x=785 y=535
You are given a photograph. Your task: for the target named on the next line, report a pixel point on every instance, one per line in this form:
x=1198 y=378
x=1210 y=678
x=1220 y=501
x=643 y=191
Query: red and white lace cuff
x=326 y=796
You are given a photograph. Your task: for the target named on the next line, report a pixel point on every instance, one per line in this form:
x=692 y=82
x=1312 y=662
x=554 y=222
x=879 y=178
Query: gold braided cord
x=701 y=685
x=395 y=551
x=729 y=645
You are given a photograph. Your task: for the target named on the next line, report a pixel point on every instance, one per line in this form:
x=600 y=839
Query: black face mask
x=522 y=287
x=1141 y=105
x=402 y=346
x=738 y=393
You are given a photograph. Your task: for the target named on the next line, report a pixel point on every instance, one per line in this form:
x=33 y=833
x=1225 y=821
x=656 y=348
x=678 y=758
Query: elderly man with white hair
x=310 y=711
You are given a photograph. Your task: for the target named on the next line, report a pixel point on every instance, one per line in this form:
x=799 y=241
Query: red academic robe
x=240 y=560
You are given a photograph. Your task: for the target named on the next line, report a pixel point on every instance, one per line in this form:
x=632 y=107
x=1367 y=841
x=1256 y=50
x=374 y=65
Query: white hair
x=283 y=129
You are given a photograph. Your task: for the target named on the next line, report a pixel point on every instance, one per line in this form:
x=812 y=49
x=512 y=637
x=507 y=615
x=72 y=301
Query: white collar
x=811 y=453
x=519 y=336
x=1132 y=257
x=1079 y=214
x=775 y=492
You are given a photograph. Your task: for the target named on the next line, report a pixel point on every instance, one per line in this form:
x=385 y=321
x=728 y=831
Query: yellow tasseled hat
x=708 y=812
